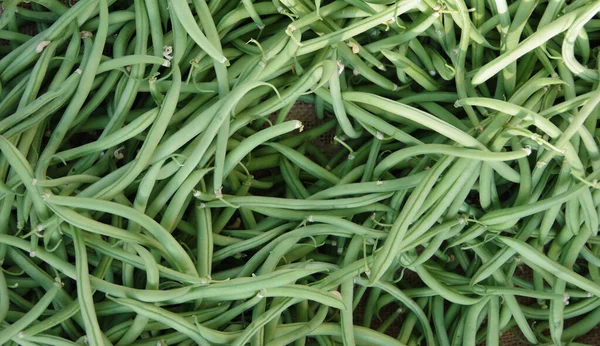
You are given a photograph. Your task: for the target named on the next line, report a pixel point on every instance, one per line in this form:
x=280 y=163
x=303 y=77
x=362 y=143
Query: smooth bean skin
x=233 y=173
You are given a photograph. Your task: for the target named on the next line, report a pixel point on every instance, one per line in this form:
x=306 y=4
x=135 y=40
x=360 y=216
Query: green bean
x=543 y=124
x=126 y=257
x=131 y=130
x=414 y=115
x=418 y=26
x=204 y=242
x=338 y=106
x=397 y=294
x=4 y=293
x=540 y=37
x=83 y=178
x=470 y=332
x=48 y=339
x=380 y=125
x=420 y=76
x=91 y=65
x=400 y=226
x=185 y=16
x=449 y=150
x=84 y=292
x=232 y=313
x=533 y=256
x=202 y=147
x=362 y=335
x=512 y=304
x=253 y=141
x=568 y=49
x=173 y=247
x=158 y=128
x=301 y=330
x=30 y=47
x=130 y=60
x=247 y=286
x=512 y=34
x=359 y=27
x=513 y=213
x=164 y=316
x=14 y=36
x=250 y=243
x=33 y=314
x=570 y=311
x=152 y=283
x=326 y=298
x=101 y=285
x=269 y=202
x=445 y=292
x=151 y=148
x=581 y=327
x=292 y=180
x=173 y=213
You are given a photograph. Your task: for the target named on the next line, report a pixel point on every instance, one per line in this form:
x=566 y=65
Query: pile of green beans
x=157 y=188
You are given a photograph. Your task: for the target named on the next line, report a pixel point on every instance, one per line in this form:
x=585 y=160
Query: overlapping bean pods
x=299 y=172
